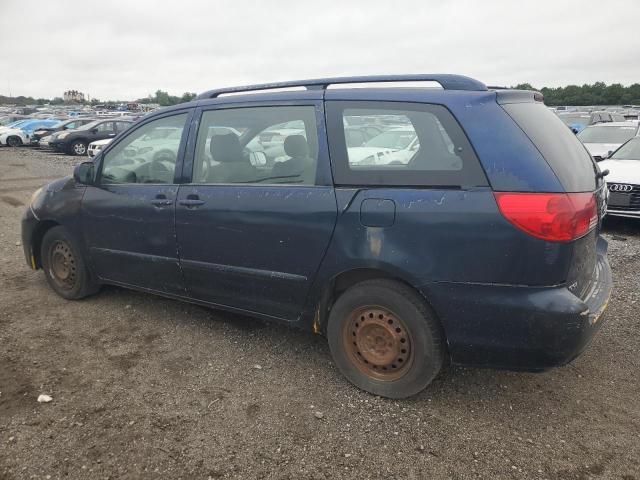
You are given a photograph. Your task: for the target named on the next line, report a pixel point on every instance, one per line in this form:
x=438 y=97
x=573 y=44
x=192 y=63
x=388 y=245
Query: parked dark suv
x=468 y=234
x=75 y=142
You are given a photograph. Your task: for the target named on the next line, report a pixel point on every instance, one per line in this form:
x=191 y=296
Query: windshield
x=575 y=119
x=607 y=134
x=396 y=139
x=629 y=151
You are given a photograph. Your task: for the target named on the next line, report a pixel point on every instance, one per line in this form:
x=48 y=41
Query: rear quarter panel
x=440 y=236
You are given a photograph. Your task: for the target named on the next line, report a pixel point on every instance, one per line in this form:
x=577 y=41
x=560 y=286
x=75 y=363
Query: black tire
x=64 y=268
x=369 y=321
x=14 y=141
x=78 y=148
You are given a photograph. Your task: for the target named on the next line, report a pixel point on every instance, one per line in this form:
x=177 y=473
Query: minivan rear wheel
x=64 y=268
x=385 y=339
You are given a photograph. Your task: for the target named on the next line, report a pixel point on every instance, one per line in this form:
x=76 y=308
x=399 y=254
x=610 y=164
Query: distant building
x=73 y=96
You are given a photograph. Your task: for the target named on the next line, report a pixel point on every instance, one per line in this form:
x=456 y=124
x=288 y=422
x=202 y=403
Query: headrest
x=296 y=146
x=226 y=148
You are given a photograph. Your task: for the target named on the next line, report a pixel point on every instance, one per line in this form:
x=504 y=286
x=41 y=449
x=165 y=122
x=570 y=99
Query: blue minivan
x=466 y=231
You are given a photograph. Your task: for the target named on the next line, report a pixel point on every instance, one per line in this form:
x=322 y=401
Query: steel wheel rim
x=378 y=343
x=62 y=265
x=79 y=148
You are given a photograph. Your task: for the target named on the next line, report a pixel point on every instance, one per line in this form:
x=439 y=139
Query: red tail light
x=555 y=217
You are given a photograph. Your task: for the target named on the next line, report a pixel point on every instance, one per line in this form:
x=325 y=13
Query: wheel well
x=36 y=239
x=341 y=283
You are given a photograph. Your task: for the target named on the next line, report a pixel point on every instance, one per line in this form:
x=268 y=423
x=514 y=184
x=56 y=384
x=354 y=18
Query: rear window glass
x=564 y=153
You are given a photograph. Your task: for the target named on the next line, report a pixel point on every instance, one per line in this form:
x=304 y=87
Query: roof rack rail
x=447 y=81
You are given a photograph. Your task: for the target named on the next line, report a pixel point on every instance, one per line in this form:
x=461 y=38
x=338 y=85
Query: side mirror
x=94 y=130
x=258 y=159
x=83 y=173
x=609 y=153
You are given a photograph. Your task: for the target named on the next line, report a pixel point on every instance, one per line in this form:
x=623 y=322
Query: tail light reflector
x=554 y=217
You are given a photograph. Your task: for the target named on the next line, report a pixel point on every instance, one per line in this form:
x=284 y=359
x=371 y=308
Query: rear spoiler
x=505 y=95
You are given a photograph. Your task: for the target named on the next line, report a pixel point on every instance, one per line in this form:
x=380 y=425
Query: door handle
x=161 y=200
x=191 y=202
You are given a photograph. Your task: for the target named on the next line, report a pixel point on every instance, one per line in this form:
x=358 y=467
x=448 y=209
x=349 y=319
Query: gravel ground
x=145 y=387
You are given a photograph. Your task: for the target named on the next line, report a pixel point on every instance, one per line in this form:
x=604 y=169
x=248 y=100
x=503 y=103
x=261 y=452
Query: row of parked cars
x=612 y=137
x=71 y=136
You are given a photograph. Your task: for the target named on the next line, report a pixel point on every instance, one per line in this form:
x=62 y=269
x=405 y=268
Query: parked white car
x=602 y=139
x=95 y=147
x=14 y=137
x=623 y=180
x=396 y=145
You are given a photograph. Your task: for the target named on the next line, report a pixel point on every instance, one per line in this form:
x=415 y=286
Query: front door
x=128 y=216
x=255 y=221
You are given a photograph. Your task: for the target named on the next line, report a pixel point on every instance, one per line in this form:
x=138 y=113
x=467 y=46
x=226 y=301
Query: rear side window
x=414 y=145
x=564 y=153
x=257 y=146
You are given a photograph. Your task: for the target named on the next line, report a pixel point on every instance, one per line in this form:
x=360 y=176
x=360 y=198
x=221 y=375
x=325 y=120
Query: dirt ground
x=145 y=387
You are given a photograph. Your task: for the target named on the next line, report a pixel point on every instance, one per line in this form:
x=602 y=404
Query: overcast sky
x=126 y=49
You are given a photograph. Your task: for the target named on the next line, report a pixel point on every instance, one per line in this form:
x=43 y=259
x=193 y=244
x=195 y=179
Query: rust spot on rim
x=378 y=343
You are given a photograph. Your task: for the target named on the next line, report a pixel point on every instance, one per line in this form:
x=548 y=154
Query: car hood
x=621 y=171
x=104 y=142
x=601 y=149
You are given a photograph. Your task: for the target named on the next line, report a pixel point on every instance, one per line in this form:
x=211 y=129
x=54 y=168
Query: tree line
x=598 y=93
x=161 y=98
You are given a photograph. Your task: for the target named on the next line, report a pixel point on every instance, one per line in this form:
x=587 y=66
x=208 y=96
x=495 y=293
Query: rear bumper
x=521 y=328
x=623 y=213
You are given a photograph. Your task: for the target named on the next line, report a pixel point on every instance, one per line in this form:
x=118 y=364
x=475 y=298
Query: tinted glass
x=607 y=134
x=628 y=151
x=265 y=145
x=417 y=144
x=561 y=149
x=147 y=155
x=105 y=127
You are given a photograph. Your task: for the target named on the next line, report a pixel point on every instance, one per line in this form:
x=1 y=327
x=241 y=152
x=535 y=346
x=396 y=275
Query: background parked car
x=95 y=147
x=600 y=140
x=21 y=135
x=623 y=180
x=71 y=124
x=75 y=142
x=578 y=121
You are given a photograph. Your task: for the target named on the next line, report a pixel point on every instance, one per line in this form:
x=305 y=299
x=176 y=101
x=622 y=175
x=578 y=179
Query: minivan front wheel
x=384 y=339
x=64 y=268
x=78 y=148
